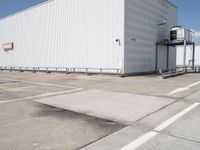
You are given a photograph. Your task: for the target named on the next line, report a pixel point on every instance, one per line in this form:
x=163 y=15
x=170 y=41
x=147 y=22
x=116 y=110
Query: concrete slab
x=147 y=85
x=165 y=142
x=194 y=97
x=16 y=90
x=187 y=126
x=27 y=125
x=161 y=116
x=120 y=107
x=117 y=140
x=124 y=137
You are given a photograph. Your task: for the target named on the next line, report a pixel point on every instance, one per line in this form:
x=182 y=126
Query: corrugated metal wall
x=82 y=34
x=66 y=33
x=189 y=54
x=142 y=33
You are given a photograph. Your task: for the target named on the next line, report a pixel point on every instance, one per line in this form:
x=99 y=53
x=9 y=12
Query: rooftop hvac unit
x=178 y=33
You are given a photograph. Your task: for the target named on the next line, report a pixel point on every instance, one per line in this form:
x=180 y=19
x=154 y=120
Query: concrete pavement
x=120 y=107
x=109 y=112
x=26 y=125
x=183 y=133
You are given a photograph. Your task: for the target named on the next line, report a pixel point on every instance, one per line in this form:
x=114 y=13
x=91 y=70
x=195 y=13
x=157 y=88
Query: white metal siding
x=172 y=58
x=162 y=58
x=65 y=33
x=141 y=19
x=189 y=54
x=197 y=55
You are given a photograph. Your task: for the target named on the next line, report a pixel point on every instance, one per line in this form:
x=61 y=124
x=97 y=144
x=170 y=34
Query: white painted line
x=140 y=141
x=143 y=139
x=39 y=83
x=41 y=96
x=16 y=88
x=194 y=84
x=176 y=117
x=178 y=90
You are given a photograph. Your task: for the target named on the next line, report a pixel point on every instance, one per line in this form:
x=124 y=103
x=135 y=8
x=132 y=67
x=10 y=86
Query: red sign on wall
x=8 y=46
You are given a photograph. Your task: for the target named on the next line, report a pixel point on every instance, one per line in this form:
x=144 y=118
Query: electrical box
x=8 y=46
x=178 y=33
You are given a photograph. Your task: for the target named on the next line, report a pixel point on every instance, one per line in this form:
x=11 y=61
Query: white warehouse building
x=189 y=56
x=107 y=36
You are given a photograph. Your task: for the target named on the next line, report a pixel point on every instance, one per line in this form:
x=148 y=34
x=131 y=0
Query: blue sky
x=8 y=7
x=189 y=13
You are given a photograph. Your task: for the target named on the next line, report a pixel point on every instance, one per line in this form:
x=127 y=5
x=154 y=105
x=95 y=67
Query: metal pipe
x=167 y=57
x=156 y=58
x=193 y=56
x=184 y=54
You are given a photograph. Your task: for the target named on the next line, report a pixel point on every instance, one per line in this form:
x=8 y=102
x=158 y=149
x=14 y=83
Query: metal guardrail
x=65 y=70
x=180 y=70
x=169 y=74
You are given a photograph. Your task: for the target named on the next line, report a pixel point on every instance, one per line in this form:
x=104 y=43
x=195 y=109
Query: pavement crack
x=154 y=112
x=177 y=136
x=7 y=82
x=99 y=138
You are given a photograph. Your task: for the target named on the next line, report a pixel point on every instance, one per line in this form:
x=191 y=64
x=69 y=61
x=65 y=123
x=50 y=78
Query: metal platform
x=168 y=44
x=185 y=69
